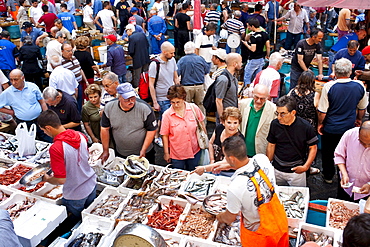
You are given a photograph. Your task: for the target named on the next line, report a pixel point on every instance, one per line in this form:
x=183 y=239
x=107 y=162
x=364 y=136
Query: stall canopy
x=349 y=4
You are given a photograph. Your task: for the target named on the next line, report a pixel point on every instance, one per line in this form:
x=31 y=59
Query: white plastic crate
x=184 y=216
x=290 y=190
x=318 y=229
x=47 y=188
x=37 y=222
x=349 y=205
x=109 y=240
x=165 y=201
x=171 y=239
x=105 y=193
x=195 y=177
x=94 y=225
x=151 y=168
x=6 y=190
x=197 y=242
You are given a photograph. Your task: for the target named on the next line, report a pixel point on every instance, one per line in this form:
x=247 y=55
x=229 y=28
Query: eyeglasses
x=282 y=114
x=68 y=51
x=255 y=97
x=108 y=85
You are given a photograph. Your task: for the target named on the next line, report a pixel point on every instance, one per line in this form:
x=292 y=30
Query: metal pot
x=137 y=234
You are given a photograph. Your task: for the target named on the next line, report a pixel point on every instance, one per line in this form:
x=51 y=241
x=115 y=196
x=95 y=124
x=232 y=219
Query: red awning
x=349 y=4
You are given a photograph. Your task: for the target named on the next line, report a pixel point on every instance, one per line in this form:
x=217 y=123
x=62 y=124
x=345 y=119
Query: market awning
x=350 y=4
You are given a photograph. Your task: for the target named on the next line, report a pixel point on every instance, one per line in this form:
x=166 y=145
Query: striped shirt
x=234 y=26
x=212 y=17
x=74 y=66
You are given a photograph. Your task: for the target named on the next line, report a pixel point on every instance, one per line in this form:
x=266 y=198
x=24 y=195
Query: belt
x=193 y=85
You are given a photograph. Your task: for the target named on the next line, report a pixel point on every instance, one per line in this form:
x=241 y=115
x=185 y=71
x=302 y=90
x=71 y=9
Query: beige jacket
x=263 y=128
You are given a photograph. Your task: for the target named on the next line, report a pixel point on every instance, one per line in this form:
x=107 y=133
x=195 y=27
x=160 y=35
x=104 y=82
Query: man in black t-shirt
x=304 y=52
x=122 y=9
x=289 y=140
x=182 y=23
x=257 y=40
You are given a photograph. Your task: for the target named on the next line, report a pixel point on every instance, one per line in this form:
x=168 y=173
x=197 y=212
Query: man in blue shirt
x=67 y=18
x=8 y=53
x=29 y=30
x=342 y=43
x=115 y=58
x=70 y=6
x=156 y=28
x=352 y=54
x=244 y=11
x=25 y=100
x=192 y=69
x=341 y=107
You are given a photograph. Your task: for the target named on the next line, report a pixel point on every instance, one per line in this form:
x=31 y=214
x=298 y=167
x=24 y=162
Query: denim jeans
x=252 y=68
x=228 y=49
x=122 y=78
x=331 y=55
x=188 y=164
x=76 y=206
x=292 y=39
x=165 y=104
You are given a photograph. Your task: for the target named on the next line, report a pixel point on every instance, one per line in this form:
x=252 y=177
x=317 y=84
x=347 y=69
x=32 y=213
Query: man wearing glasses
x=292 y=144
x=257 y=112
x=132 y=125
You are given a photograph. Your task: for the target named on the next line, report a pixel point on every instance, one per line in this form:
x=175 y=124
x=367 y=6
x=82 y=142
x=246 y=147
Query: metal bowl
x=27 y=181
x=135 y=157
x=136 y=234
x=209 y=198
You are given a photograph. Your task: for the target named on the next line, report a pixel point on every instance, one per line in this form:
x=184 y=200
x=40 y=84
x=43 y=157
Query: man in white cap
x=218 y=59
x=132 y=124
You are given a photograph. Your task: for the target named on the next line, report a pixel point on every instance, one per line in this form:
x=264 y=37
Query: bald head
x=262 y=90
x=16 y=72
x=166 y=46
x=364 y=135
x=232 y=58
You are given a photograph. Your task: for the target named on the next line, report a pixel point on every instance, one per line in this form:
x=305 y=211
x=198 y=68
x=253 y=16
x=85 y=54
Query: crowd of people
x=271 y=136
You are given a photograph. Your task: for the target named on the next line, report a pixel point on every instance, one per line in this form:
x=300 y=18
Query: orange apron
x=273 y=229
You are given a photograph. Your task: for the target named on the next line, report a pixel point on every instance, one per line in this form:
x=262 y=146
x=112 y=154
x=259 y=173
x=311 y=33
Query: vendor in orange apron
x=273 y=229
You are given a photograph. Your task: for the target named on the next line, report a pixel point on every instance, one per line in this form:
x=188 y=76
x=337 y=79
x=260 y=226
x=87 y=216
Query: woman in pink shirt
x=178 y=130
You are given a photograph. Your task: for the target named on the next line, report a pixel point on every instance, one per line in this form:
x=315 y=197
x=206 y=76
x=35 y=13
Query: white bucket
x=103 y=54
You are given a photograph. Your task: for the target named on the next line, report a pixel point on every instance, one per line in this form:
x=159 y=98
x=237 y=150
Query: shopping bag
x=204 y=157
x=26 y=139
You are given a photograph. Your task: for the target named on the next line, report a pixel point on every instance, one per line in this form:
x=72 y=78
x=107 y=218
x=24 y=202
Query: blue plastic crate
x=317 y=218
x=285 y=68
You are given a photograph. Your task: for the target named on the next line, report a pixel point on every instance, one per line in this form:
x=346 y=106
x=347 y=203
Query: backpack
x=144 y=91
x=209 y=101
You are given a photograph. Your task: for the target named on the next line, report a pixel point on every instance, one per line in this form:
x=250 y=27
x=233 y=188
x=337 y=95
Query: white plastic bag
x=26 y=139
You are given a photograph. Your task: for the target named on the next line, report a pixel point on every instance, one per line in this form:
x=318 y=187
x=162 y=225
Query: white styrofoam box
x=165 y=201
x=318 y=229
x=47 y=188
x=58 y=242
x=105 y=193
x=98 y=148
x=222 y=185
x=185 y=214
x=17 y=187
x=7 y=191
x=171 y=239
x=349 y=205
x=197 y=242
x=151 y=168
x=30 y=165
x=6 y=161
x=195 y=177
x=92 y=225
x=290 y=190
x=37 y=222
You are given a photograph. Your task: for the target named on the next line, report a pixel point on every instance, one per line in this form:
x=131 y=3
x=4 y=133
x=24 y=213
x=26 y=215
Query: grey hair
x=54 y=29
x=59 y=34
x=56 y=60
x=343 y=67
x=361 y=11
x=275 y=59
x=153 y=11
x=111 y=76
x=237 y=13
x=189 y=47
x=50 y=93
